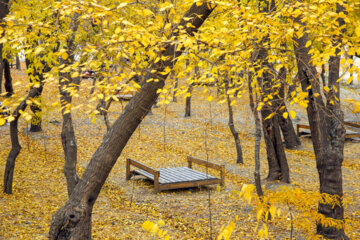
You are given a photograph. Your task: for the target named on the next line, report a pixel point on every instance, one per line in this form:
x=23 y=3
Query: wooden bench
x=177 y=177
x=348 y=135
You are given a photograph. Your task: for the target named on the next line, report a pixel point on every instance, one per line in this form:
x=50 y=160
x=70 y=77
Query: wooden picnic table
x=177 y=177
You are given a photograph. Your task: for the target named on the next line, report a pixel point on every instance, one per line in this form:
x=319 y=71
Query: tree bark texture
x=278 y=166
x=190 y=89
x=73 y=220
x=231 y=124
x=188 y=101
x=4 y=10
x=18 y=64
x=15 y=145
x=1 y=67
x=35 y=108
x=292 y=141
x=8 y=79
x=68 y=139
x=327 y=131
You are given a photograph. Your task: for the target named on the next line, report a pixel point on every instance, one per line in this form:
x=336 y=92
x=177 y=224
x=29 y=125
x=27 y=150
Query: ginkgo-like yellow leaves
x=285 y=115
x=292 y=114
x=2 y=121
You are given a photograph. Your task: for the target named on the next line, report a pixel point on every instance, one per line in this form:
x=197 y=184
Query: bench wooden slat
x=195 y=173
x=183 y=177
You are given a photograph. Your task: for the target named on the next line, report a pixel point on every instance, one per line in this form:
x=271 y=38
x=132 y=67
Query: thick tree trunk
x=327 y=131
x=15 y=145
x=73 y=221
x=278 y=166
x=8 y=79
x=239 y=155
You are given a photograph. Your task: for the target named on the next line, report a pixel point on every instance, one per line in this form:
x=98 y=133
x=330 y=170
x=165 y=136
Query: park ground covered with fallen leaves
x=164 y=139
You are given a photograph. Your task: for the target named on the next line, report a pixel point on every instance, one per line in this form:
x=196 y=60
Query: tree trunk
x=4 y=10
x=15 y=145
x=327 y=132
x=190 y=89
x=258 y=186
x=68 y=139
x=188 y=101
x=175 y=88
x=239 y=158
x=278 y=166
x=73 y=221
x=292 y=141
x=18 y=64
x=253 y=107
x=36 y=108
x=8 y=79
x=1 y=67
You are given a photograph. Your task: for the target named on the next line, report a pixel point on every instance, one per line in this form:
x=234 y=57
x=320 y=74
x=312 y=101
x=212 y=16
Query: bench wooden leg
x=128 y=174
x=222 y=173
x=156 y=182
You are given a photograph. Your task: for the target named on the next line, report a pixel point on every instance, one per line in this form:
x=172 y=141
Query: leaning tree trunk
x=8 y=79
x=327 y=131
x=239 y=158
x=15 y=145
x=73 y=221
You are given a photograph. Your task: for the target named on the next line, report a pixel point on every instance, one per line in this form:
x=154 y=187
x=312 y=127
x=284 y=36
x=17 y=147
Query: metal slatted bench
x=177 y=177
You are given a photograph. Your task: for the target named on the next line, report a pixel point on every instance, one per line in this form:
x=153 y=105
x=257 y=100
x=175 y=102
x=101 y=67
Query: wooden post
x=189 y=163
x=222 y=173
x=156 y=181
x=128 y=175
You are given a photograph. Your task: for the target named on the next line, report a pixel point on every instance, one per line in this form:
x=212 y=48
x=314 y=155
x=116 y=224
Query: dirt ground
x=122 y=207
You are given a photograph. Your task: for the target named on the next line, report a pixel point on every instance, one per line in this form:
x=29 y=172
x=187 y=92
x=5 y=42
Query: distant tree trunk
x=8 y=79
x=73 y=220
x=15 y=144
x=327 y=130
x=292 y=141
x=239 y=158
x=188 y=101
x=18 y=65
x=351 y=66
x=190 y=89
x=175 y=88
